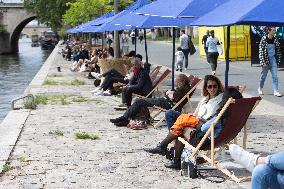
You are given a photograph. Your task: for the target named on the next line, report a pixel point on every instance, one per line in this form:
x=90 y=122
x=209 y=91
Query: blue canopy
x=104 y=25
x=175 y=14
x=253 y=12
x=97 y=21
x=180 y=8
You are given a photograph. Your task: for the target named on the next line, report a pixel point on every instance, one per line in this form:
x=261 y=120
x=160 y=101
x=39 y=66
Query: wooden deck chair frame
x=159 y=81
x=160 y=110
x=213 y=147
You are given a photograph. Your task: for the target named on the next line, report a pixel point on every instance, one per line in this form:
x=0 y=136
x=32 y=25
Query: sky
x=12 y=1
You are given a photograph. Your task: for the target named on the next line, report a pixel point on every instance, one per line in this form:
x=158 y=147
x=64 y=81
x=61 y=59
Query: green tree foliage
x=49 y=12
x=84 y=10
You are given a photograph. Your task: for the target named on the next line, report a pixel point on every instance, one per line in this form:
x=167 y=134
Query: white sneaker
x=260 y=92
x=243 y=157
x=107 y=93
x=99 y=93
x=96 y=75
x=276 y=93
x=213 y=72
x=97 y=89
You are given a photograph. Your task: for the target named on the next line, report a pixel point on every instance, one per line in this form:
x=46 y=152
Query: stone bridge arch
x=14 y=18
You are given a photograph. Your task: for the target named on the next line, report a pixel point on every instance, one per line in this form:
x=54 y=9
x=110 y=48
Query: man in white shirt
x=184 y=46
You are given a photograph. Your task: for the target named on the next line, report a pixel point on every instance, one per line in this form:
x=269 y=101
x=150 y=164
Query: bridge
x=34 y=30
x=13 y=18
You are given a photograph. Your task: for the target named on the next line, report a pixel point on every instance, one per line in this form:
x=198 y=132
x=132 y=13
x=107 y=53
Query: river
x=17 y=71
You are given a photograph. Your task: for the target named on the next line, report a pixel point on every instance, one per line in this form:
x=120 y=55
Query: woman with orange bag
x=212 y=91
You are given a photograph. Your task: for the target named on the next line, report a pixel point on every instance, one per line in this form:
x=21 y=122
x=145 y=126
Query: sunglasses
x=212 y=86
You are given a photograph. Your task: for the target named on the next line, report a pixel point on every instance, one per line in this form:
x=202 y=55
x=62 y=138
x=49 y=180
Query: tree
x=85 y=10
x=49 y=12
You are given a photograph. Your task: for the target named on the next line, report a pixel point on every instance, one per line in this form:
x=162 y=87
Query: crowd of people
x=137 y=80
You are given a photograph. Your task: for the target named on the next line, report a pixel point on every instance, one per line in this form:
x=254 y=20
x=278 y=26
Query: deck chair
x=159 y=80
x=194 y=82
x=154 y=73
x=239 y=111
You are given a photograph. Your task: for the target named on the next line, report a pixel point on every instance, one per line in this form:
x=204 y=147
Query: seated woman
x=167 y=102
x=201 y=129
x=140 y=83
x=212 y=91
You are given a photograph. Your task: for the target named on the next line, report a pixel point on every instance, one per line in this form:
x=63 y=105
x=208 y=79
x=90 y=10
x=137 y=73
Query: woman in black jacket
x=167 y=102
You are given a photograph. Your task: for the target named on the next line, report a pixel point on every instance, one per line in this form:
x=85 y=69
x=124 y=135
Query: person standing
x=140 y=36
x=133 y=37
x=109 y=39
x=124 y=43
x=211 y=44
x=269 y=55
x=179 y=60
x=184 y=41
x=204 y=39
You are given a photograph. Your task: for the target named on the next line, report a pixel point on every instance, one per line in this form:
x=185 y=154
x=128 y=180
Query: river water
x=17 y=71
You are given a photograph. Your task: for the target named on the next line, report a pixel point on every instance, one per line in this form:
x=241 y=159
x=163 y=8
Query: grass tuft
x=77 y=82
x=79 y=99
x=84 y=136
x=21 y=159
x=56 y=133
x=6 y=167
x=54 y=75
x=41 y=99
x=30 y=104
x=50 y=82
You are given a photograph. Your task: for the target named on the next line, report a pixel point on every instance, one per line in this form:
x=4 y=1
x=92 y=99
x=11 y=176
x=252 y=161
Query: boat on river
x=48 y=39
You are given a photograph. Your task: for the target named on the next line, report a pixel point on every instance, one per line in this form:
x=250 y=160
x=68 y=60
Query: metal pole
x=227 y=56
x=173 y=60
x=116 y=36
x=102 y=41
x=146 y=49
x=135 y=44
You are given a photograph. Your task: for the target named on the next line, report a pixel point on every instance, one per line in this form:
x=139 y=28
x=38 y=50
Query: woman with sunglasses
x=212 y=92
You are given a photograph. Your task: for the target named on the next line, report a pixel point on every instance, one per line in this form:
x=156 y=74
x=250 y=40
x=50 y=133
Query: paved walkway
x=48 y=155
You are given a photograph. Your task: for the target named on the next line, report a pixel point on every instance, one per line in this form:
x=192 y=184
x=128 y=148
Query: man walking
x=184 y=41
x=204 y=39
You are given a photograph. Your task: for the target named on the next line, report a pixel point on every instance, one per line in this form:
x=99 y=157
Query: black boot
x=162 y=147
x=174 y=164
x=119 y=119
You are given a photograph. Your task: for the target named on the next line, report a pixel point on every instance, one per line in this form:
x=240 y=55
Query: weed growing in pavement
x=84 y=136
x=63 y=100
x=79 y=99
x=56 y=133
x=77 y=82
x=41 y=99
x=50 y=82
x=55 y=75
x=30 y=104
x=6 y=167
x=21 y=159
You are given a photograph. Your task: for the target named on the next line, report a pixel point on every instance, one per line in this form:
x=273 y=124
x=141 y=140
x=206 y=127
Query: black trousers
x=110 y=80
x=213 y=56
x=127 y=94
x=111 y=76
x=138 y=104
x=185 y=52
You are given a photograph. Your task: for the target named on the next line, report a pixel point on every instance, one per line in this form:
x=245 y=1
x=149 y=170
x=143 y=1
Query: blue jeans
x=271 y=174
x=273 y=70
x=171 y=117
